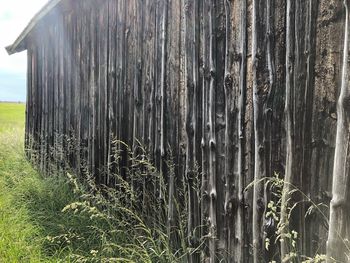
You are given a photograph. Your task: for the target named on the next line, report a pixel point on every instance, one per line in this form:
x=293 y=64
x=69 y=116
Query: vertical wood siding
x=232 y=90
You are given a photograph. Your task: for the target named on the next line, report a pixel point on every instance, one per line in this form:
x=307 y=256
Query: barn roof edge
x=19 y=44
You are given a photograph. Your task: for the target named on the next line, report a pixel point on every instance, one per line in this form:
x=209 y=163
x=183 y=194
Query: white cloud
x=14 y=16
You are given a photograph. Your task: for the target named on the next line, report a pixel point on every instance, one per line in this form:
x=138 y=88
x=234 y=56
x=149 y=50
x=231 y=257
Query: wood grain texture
x=232 y=91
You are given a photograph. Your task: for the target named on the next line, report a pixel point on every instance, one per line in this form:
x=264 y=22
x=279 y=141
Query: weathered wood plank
x=202 y=83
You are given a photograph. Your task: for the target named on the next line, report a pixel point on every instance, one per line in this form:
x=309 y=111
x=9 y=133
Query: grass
x=30 y=205
x=66 y=219
x=16 y=231
x=12 y=118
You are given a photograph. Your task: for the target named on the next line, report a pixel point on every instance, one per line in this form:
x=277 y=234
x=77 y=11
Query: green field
x=12 y=117
x=18 y=234
x=30 y=205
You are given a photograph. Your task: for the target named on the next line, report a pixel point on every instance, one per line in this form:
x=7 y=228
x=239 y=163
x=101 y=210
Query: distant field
x=12 y=116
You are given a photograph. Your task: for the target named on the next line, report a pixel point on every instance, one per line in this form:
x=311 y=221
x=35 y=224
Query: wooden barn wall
x=235 y=90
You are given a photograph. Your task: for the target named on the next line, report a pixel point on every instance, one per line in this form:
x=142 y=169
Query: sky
x=14 y=16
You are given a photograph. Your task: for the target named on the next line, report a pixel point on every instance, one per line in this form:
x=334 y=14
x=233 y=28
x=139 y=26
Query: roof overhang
x=20 y=43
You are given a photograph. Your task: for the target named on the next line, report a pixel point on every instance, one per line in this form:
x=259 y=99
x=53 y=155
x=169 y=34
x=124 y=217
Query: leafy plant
x=283 y=231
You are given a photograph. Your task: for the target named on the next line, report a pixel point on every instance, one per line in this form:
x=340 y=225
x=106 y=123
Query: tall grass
x=125 y=221
x=69 y=218
x=19 y=236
